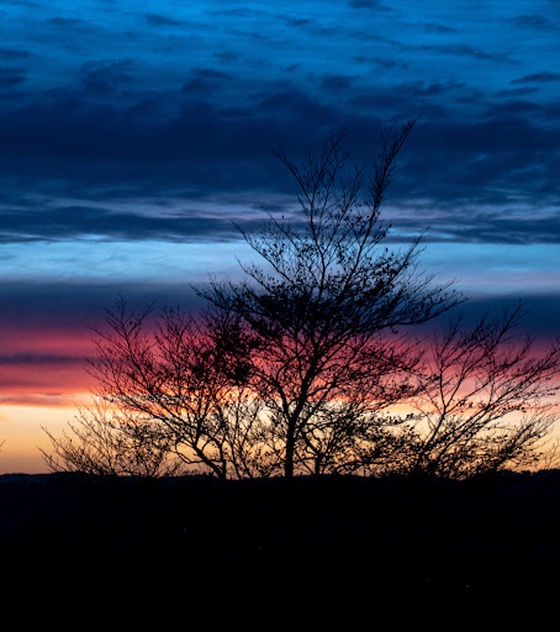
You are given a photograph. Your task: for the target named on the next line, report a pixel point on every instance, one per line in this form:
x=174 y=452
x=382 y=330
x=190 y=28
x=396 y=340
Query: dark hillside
x=182 y=542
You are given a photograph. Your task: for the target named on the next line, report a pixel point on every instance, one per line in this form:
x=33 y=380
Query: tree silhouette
x=186 y=378
x=108 y=442
x=298 y=367
x=322 y=310
x=484 y=400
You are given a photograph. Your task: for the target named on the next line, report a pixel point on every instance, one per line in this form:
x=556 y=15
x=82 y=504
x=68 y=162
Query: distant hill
x=351 y=540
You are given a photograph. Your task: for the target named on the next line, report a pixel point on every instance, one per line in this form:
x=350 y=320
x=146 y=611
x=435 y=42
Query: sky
x=134 y=135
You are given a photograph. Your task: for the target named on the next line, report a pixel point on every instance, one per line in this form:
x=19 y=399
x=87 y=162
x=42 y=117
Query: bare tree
x=353 y=431
x=108 y=442
x=321 y=309
x=172 y=397
x=298 y=367
x=485 y=399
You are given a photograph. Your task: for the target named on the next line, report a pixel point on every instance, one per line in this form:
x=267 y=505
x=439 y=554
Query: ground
x=324 y=548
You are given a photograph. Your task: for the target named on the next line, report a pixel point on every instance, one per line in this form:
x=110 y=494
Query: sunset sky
x=133 y=134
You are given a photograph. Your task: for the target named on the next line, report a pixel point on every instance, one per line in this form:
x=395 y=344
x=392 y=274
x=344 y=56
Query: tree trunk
x=289 y=461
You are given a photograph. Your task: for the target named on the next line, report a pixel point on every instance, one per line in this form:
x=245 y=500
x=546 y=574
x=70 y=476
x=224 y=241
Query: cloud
x=436 y=27
x=532 y=21
x=46 y=400
x=105 y=76
x=465 y=50
x=72 y=23
x=11 y=76
x=453 y=161
x=204 y=82
x=155 y=19
x=336 y=82
x=70 y=222
x=541 y=320
x=297 y=22
x=227 y=57
x=521 y=227
x=35 y=359
x=538 y=77
x=11 y=54
x=58 y=315
x=368 y=4
x=516 y=92
x=386 y=63
x=196 y=142
x=141 y=115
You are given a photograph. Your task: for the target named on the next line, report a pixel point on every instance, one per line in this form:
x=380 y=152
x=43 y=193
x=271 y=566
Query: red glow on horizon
x=44 y=367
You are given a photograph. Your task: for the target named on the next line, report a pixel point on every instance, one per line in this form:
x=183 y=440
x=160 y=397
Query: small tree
x=322 y=310
x=483 y=401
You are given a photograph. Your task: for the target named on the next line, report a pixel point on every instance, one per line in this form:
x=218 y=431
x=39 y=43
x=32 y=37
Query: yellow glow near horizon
x=22 y=434
x=21 y=430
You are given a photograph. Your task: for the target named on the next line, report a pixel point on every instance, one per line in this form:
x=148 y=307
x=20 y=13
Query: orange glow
x=21 y=431
x=43 y=379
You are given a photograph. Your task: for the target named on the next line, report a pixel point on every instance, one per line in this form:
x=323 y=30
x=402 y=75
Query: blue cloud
x=538 y=77
x=113 y=100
